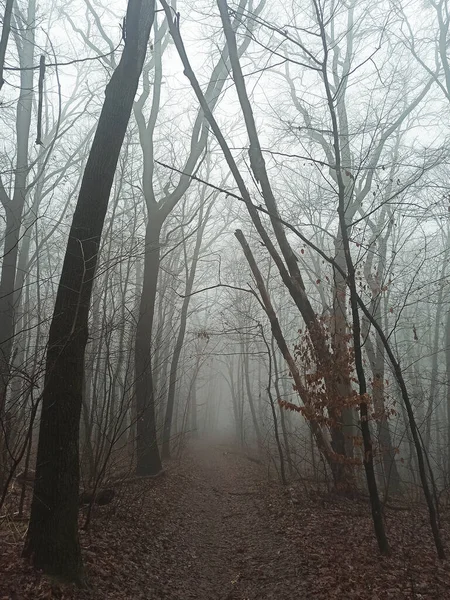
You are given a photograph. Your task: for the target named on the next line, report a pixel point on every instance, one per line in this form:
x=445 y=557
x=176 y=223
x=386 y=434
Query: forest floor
x=215 y=528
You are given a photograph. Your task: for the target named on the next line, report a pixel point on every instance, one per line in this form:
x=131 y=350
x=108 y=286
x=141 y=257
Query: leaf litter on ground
x=214 y=528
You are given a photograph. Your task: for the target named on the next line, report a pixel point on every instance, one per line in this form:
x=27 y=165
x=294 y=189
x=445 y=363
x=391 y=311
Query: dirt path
x=224 y=541
x=214 y=528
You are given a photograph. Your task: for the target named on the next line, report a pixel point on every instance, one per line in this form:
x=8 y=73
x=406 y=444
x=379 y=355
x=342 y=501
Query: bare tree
x=52 y=539
x=148 y=458
x=14 y=205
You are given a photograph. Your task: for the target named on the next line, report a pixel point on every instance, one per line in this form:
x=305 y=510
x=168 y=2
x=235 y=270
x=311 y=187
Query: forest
x=224 y=322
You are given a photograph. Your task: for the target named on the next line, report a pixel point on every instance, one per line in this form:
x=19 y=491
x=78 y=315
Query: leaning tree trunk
x=321 y=440
x=286 y=263
x=52 y=539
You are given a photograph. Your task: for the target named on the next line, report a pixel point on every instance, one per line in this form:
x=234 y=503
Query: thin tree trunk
x=235 y=403
x=432 y=400
x=447 y=361
x=345 y=430
x=274 y=412
x=377 y=360
x=190 y=277
x=321 y=440
x=251 y=400
x=6 y=28
x=194 y=410
x=14 y=210
x=287 y=447
x=376 y=355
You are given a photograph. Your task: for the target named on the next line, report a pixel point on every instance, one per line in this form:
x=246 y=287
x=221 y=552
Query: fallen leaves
x=215 y=529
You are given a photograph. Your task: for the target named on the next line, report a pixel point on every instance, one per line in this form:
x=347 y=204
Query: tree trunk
x=447 y=360
x=321 y=440
x=235 y=402
x=148 y=458
x=344 y=430
x=432 y=400
x=13 y=211
x=190 y=277
x=194 y=412
x=52 y=540
x=286 y=263
x=343 y=199
x=287 y=447
x=6 y=28
x=251 y=400
x=376 y=355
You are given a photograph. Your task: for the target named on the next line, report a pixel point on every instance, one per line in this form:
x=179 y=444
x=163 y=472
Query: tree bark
x=52 y=539
x=432 y=399
x=273 y=410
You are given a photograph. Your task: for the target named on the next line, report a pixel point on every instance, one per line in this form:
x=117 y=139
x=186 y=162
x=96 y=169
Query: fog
x=225 y=246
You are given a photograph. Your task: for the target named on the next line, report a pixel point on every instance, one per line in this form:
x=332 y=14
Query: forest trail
x=224 y=539
x=214 y=528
